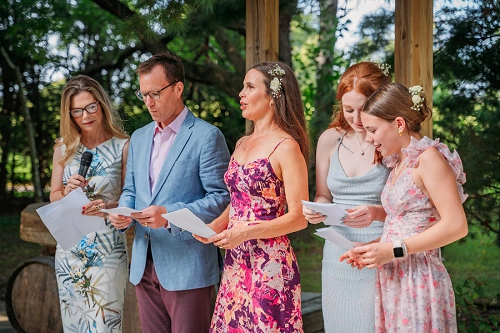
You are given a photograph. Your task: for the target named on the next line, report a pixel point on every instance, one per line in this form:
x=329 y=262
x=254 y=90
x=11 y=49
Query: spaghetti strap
x=239 y=144
x=341 y=140
x=277 y=146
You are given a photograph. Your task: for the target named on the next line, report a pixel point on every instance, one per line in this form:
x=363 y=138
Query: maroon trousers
x=185 y=311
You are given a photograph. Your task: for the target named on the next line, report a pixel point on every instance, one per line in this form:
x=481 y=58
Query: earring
x=400 y=132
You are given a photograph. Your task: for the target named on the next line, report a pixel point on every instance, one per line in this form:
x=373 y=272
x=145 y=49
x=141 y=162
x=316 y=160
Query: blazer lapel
x=144 y=155
x=178 y=146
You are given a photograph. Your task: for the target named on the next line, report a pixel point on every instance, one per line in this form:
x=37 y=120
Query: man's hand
x=151 y=217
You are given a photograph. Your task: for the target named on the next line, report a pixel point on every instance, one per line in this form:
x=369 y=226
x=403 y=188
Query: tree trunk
x=325 y=95
x=287 y=10
x=25 y=112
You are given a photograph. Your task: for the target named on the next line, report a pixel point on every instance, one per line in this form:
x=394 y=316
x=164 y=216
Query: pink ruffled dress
x=414 y=294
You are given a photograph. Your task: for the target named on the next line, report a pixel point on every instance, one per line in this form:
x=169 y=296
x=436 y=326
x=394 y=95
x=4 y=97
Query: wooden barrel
x=31 y=298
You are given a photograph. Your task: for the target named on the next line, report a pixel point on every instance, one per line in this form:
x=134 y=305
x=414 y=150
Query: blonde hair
x=70 y=131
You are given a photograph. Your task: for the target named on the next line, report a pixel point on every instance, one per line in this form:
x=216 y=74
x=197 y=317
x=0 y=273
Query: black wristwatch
x=398 y=249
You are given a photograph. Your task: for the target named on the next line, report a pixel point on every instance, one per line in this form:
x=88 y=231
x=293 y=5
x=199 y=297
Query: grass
x=477 y=255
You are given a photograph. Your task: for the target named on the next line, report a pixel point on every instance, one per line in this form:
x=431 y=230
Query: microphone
x=85 y=163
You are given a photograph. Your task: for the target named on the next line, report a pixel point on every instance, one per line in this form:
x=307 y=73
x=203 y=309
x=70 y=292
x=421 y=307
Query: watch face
x=398 y=252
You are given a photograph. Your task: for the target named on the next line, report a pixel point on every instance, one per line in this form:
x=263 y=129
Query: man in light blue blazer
x=177 y=161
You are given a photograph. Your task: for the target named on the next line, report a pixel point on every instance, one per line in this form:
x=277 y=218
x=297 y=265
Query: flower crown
x=384 y=67
x=417 y=100
x=275 y=84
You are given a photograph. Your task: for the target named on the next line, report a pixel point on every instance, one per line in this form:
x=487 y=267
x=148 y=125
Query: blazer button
x=146 y=236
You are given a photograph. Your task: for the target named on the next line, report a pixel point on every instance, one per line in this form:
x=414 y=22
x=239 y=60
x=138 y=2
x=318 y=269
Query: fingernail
x=83 y=212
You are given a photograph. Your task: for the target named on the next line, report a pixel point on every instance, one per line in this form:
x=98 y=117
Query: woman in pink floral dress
x=423 y=199
x=267 y=179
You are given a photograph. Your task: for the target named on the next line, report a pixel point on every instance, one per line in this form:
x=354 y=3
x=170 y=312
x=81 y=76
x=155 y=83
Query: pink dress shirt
x=162 y=142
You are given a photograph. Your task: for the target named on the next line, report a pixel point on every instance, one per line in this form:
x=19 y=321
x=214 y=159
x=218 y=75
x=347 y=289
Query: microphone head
x=86 y=158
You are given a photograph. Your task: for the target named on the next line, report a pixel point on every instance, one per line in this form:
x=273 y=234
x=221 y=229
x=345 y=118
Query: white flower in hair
x=275 y=84
x=416 y=99
x=384 y=67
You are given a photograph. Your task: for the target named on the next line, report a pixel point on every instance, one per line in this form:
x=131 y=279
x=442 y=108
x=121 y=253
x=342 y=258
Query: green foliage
x=467 y=63
x=469 y=316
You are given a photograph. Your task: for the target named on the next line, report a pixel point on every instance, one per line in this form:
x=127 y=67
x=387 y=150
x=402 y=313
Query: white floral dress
x=414 y=294
x=92 y=275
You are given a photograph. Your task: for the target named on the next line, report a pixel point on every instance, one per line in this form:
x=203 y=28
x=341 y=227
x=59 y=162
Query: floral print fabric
x=414 y=294
x=92 y=275
x=260 y=286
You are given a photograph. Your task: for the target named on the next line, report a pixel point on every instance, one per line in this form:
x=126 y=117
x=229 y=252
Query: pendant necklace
x=255 y=140
x=361 y=147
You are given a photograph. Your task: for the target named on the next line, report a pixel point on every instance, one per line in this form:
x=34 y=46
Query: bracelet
x=63 y=191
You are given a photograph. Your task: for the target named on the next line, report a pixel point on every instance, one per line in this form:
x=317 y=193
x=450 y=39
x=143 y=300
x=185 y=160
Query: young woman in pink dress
x=267 y=179
x=423 y=199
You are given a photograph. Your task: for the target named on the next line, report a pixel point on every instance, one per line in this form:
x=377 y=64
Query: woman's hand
x=74 y=182
x=229 y=238
x=371 y=255
x=312 y=216
x=93 y=208
x=360 y=216
x=203 y=239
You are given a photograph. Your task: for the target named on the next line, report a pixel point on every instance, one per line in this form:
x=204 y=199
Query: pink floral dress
x=414 y=294
x=260 y=286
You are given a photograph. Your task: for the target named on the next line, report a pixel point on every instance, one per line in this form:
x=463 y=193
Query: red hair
x=364 y=78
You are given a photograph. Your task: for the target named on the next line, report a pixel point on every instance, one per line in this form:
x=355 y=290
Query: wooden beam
x=262 y=31
x=413 y=53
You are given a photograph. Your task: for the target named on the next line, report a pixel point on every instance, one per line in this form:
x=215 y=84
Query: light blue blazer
x=192 y=177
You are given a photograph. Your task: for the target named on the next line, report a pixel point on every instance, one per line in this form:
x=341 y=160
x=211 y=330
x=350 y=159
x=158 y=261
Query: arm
x=435 y=178
x=288 y=161
x=327 y=143
x=57 y=190
x=363 y=215
x=56 y=180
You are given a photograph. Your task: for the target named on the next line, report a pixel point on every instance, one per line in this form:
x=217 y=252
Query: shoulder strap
x=277 y=146
x=341 y=140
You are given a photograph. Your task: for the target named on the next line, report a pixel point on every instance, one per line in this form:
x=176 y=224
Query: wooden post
x=262 y=33
x=413 y=53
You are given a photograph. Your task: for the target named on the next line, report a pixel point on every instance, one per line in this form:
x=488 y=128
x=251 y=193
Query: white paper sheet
x=185 y=219
x=125 y=211
x=334 y=214
x=65 y=221
x=331 y=235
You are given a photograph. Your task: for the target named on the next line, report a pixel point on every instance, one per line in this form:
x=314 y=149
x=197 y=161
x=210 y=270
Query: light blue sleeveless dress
x=348 y=294
x=92 y=275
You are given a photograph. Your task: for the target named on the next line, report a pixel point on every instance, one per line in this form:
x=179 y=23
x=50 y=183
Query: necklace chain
x=343 y=145
x=255 y=140
x=361 y=147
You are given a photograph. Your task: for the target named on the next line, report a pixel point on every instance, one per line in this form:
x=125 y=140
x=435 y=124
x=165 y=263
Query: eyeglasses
x=91 y=108
x=154 y=95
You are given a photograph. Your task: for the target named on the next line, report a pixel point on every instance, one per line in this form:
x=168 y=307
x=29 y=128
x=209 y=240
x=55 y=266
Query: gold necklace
x=361 y=147
x=255 y=140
